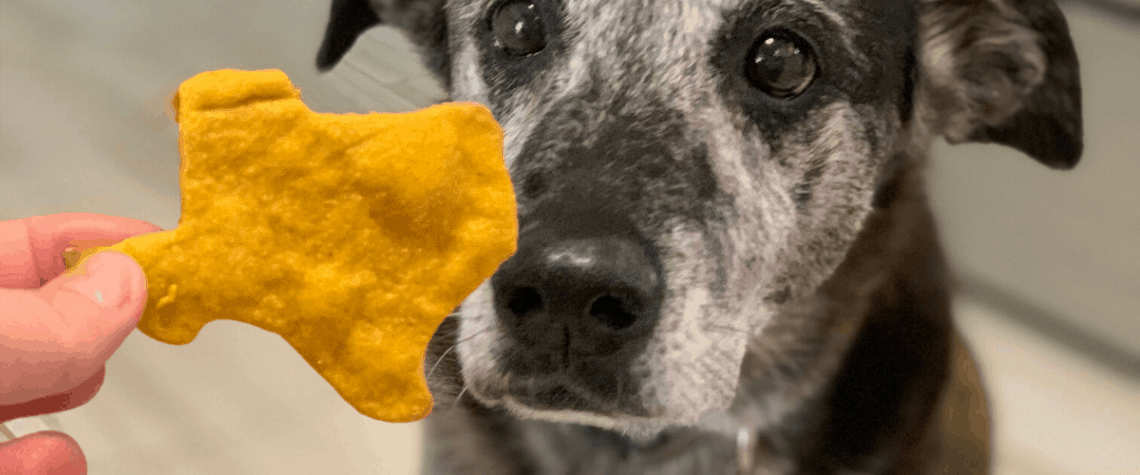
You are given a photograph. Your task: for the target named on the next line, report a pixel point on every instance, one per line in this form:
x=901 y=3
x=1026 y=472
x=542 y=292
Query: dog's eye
x=781 y=64
x=518 y=28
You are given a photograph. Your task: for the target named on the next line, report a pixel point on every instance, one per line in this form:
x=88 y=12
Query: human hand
x=56 y=332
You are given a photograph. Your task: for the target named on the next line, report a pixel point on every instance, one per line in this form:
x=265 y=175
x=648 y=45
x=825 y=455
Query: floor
x=84 y=86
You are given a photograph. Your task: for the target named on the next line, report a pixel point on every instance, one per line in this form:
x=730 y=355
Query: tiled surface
x=83 y=127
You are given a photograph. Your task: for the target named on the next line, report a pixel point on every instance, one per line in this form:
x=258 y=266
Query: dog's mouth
x=555 y=393
x=559 y=392
x=558 y=398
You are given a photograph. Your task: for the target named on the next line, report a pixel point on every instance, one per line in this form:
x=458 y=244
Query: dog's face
x=681 y=170
x=685 y=168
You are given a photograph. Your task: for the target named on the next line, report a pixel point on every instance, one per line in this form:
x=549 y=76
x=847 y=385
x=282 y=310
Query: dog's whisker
x=452 y=347
x=438 y=361
x=460 y=396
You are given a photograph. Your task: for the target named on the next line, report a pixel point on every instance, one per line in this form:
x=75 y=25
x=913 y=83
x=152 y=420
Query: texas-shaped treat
x=352 y=236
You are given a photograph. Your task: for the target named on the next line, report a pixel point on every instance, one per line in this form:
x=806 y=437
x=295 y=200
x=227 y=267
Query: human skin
x=58 y=330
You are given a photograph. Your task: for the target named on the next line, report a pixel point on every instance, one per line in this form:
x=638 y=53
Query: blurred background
x=1048 y=262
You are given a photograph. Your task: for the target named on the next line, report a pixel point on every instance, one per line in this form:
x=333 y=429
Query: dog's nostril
x=525 y=301
x=613 y=312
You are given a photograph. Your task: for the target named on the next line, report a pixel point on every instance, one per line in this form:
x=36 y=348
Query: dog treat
x=351 y=236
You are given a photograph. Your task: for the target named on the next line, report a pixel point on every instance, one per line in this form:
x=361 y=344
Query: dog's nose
x=583 y=285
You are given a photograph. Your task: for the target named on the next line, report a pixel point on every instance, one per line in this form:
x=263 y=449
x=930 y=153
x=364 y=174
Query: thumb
x=109 y=279
x=63 y=333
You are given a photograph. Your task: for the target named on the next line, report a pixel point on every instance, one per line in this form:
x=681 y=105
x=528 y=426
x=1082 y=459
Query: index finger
x=31 y=249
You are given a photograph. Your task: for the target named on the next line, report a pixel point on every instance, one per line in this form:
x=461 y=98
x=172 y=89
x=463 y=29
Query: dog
x=726 y=259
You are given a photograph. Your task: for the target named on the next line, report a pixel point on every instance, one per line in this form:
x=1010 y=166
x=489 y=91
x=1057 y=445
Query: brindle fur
x=804 y=293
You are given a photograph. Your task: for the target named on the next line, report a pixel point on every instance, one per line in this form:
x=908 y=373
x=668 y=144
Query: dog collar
x=746 y=445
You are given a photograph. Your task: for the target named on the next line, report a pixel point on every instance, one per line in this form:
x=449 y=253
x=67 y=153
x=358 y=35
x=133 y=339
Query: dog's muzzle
x=579 y=301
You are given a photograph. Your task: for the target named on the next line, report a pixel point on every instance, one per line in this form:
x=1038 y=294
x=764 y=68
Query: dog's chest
x=574 y=450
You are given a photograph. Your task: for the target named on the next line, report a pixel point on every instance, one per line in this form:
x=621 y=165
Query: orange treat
x=351 y=236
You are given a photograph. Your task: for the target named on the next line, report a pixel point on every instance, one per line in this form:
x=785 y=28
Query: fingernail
x=109 y=280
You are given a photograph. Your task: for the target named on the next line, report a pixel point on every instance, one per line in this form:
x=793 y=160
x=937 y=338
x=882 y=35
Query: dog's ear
x=348 y=19
x=423 y=21
x=1002 y=71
